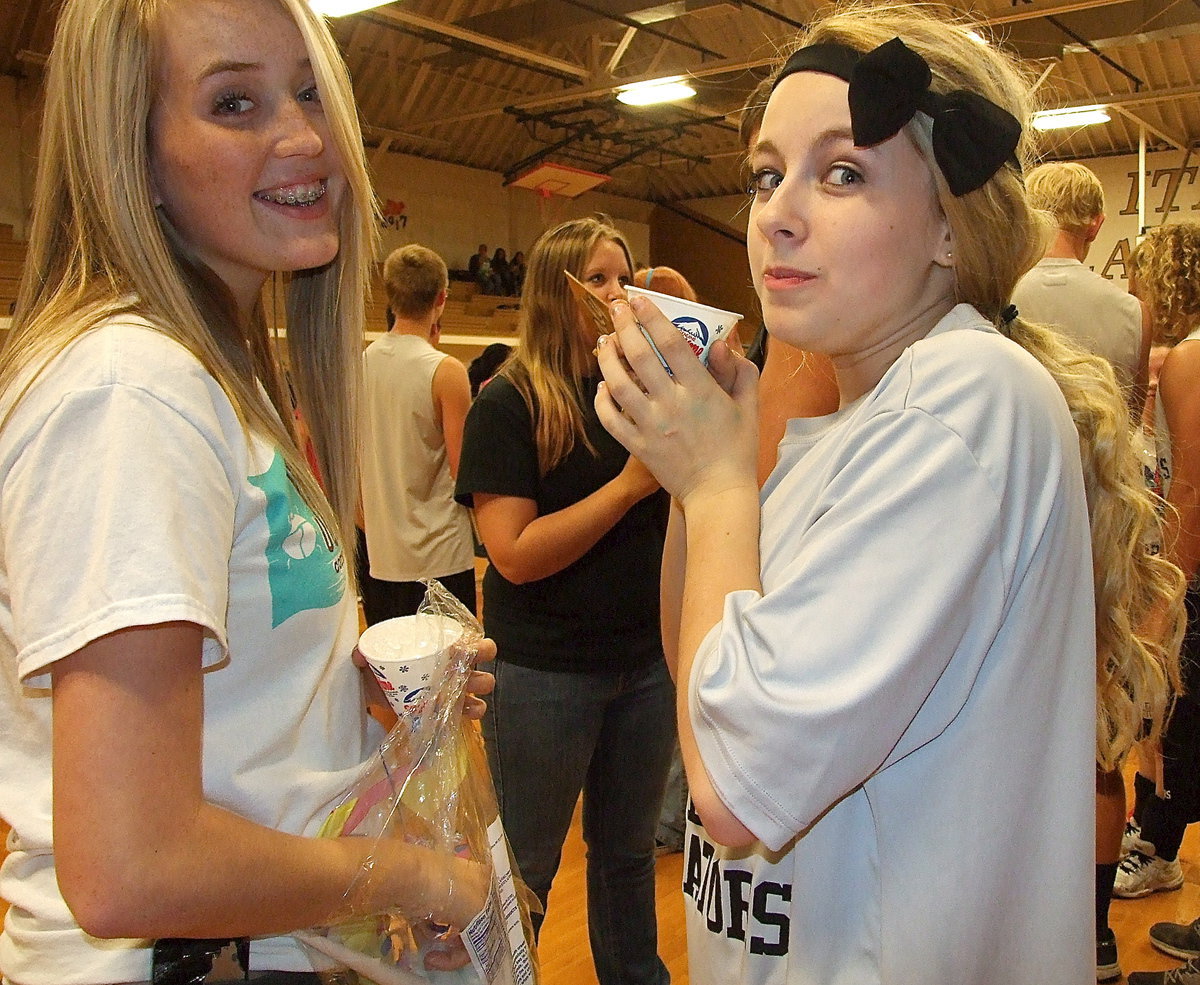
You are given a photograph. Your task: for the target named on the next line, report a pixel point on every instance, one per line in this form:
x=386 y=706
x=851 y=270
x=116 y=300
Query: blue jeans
x=550 y=735
x=672 y=823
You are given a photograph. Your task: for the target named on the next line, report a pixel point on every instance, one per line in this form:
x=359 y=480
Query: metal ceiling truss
x=585 y=131
x=471 y=42
x=629 y=22
x=798 y=25
x=1138 y=84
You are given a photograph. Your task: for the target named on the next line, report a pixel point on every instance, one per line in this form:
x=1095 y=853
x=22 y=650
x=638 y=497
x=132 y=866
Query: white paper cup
x=407 y=655
x=700 y=324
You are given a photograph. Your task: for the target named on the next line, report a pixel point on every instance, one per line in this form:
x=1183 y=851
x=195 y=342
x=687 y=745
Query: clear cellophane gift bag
x=429 y=784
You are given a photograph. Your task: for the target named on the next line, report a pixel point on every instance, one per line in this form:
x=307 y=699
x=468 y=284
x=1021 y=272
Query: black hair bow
x=972 y=136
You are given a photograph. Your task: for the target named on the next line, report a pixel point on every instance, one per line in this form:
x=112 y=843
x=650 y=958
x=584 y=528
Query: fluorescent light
x=1076 y=116
x=340 y=8
x=668 y=90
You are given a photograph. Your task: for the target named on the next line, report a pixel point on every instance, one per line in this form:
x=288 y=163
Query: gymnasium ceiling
x=504 y=85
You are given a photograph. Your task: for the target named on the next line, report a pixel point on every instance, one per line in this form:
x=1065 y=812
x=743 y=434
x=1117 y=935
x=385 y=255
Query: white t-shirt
x=415 y=528
x=129 y=495
x=1086 y=307
x=906 y=716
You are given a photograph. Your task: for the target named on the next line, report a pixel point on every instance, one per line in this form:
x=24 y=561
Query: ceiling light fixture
x=668 y=90
x=1074 y=116
x=340 y=8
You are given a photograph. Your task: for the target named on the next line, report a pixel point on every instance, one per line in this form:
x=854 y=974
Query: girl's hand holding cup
x=695 y=428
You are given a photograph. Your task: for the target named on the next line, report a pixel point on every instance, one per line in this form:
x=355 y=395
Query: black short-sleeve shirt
x=599 y=613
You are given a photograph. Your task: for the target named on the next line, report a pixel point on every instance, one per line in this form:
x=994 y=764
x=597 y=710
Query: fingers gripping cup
x=407 y=655
x=700 y=324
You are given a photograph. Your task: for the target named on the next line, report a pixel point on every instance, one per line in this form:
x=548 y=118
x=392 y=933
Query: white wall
x=1172 y=194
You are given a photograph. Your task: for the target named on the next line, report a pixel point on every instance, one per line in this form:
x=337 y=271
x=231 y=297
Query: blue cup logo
x=694 y=330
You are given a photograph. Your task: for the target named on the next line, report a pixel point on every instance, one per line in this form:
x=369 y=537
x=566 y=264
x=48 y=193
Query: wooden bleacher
x=12 y=259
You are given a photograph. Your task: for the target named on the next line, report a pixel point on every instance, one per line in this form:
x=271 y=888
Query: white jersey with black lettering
x=906 y=715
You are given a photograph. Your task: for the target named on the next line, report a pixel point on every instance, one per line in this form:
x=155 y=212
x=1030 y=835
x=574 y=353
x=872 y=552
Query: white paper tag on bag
x=499 y=924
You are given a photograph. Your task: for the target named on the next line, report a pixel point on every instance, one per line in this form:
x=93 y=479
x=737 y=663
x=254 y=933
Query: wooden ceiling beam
x=406 y=18
x=584 y=93
x=1179 y=143
x=1050 y=8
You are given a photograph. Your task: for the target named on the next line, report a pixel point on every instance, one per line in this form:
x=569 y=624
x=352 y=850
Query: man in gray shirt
x=1061 y=291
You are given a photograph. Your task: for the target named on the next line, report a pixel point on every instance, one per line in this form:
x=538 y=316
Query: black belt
x=188 y=961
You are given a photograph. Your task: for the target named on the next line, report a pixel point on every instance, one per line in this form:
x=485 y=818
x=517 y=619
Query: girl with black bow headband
x=887 y=667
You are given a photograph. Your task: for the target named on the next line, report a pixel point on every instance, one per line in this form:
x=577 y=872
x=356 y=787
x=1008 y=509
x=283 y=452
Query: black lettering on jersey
x=713 y=910
x=738 y=881
x=704 y=863
x=760 y=914
x=691 y=872
x=691 y=813
x=764 y=915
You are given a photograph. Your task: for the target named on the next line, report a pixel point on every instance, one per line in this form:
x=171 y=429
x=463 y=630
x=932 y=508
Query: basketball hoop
x=554 y=185
x=549 y=212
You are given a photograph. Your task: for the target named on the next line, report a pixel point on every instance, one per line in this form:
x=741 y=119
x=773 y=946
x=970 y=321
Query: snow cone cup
x=701 y=324
x=407 y=655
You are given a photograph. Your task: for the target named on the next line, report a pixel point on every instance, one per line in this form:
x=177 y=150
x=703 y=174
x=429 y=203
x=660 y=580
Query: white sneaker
x=1140 y=875
x=1132 y=841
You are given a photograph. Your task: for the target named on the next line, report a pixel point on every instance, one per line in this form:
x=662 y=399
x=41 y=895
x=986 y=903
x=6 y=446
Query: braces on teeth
x=294 y=198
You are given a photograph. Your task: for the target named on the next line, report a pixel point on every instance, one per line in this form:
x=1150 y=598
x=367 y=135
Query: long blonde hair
x=98 y=247
x=552 y=357
x=997 y=237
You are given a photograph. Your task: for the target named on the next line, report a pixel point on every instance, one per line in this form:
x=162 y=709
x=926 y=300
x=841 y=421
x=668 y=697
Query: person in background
x=483 y=367
x=179 y=716
x=502 y=272
x=1164 y=267
x=1158 y=353
x=1108 y=321
x=573 y=527
x=415 y=402
x=517 y=266
x=665 y=280
x=851 y=715
x=1061 y=291
x=480 y=269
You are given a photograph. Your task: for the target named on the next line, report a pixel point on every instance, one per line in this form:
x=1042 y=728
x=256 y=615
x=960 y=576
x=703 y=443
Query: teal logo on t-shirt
x=304 y=563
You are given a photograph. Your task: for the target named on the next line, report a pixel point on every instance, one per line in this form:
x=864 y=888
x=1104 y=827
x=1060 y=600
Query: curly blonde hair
x=1137 y=661
x=1166 y=277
